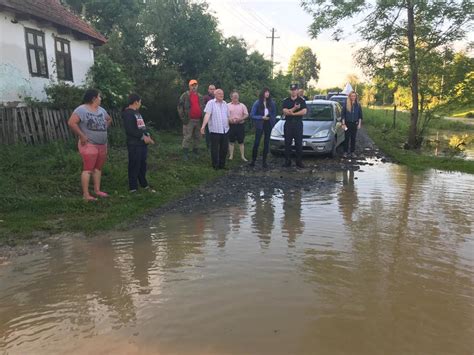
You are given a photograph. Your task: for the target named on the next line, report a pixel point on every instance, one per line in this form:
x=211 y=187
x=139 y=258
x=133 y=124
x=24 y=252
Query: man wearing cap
x=294 y=108
x=190 y=109
x=217 y=116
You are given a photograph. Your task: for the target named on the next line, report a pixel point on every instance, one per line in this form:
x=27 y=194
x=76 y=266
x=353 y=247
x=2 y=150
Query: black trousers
x=266 y=132
x=351 y=135
x=294 y=131
x=137 y=155
x=219 y=149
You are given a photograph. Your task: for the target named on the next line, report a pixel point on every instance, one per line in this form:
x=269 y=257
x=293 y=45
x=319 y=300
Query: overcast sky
x=253 y=21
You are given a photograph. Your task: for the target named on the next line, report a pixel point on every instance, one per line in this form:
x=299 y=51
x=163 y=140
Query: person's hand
x=83 y=140
x=203 y=132
x=359 y=125
x=265 y=118
x=148 y=140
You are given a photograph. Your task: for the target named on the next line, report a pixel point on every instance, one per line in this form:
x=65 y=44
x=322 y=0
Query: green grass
x=40 y=186
x=391 y=140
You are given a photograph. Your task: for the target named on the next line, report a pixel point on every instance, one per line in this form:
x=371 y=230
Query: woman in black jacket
x=138 y=139
x=352 y=119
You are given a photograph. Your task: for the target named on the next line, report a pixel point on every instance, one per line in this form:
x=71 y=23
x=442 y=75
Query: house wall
x=16 y=83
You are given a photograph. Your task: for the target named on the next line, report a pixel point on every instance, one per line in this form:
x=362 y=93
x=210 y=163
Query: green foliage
x=304 y=66
x=112 y=80
x=392 y=140
x=404 y=37
x=63 y=95
x=155 y=47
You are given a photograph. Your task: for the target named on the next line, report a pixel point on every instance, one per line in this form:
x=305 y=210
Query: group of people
x=223 y=125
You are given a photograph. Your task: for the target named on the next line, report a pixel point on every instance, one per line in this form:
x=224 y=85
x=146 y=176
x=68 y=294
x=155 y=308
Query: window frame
x=37 y=49
x=63 y=57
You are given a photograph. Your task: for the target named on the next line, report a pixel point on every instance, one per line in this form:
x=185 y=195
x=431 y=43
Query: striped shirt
x=219 y=119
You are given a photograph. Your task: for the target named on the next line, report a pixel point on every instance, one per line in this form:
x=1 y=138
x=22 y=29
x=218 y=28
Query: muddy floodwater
x=378 y=261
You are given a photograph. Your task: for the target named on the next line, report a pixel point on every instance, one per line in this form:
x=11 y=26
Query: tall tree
x=392 y=26
x=304 y=66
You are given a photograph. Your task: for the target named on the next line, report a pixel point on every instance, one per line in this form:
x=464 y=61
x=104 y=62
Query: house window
x=36 y=53
x=63 y=59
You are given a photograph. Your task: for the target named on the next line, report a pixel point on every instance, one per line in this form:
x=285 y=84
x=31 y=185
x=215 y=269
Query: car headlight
x=276 y=133
x=321 y=134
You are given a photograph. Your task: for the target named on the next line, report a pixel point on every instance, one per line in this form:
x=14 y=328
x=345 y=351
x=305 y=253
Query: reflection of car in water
x=342 y=99
x=322 y=131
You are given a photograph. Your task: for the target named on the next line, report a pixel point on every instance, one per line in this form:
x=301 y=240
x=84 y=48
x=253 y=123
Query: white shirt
x=219 y=116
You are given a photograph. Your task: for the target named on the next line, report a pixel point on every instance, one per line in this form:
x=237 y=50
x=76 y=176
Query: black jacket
x=134 y=126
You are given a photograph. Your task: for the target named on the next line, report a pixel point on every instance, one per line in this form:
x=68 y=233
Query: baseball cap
x=192 y=82
x=294 y=87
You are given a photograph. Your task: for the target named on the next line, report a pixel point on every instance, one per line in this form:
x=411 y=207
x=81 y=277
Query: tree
x=354 y=80
x=393 y=26
x=304 y=66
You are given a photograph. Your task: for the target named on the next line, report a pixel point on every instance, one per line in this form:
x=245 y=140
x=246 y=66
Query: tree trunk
x=412 y=134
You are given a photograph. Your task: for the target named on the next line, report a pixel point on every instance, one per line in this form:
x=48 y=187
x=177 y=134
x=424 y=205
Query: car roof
x=339 y=96
x=320 y=101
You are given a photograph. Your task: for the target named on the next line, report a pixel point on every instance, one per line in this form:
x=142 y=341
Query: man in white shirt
x=217 y=117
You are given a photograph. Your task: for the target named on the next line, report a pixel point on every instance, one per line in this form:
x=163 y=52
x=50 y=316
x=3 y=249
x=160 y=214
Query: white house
x=42 y=42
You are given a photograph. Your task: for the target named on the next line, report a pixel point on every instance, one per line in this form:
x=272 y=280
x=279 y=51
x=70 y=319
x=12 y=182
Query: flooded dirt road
x=373 y=261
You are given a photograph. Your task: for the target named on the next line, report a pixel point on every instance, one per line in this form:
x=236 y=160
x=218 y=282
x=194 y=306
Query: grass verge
x=379 y=124
x=40 y=186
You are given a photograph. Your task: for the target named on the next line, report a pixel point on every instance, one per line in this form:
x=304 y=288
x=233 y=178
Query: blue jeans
x=266 y=130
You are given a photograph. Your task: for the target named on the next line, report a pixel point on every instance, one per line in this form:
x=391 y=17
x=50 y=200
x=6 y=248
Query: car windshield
x=322 y=112
x=341 y=100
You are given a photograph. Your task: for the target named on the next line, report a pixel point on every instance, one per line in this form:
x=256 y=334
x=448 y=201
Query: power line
x=257 y=18
x=243 y=19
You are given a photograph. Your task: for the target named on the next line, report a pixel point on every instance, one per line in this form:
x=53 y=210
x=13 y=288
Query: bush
x=63 y=95
x=112 y=80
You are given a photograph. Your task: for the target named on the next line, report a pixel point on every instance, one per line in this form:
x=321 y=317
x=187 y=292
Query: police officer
x=294 y=108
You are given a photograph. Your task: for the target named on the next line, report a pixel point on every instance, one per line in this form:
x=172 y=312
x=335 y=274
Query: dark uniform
x=294 y=130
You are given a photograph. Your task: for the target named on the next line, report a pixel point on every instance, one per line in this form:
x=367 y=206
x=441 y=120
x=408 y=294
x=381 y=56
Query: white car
x=322 y=130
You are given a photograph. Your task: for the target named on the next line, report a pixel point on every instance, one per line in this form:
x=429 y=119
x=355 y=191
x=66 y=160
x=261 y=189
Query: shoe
x=101 y=194
x=149 y=189
x=345 y=155
x=287 y=164
x=353 y=155
x=300 y=165
x=231 y=157
x=264 y=164
x=252 y=164
x=244 y=159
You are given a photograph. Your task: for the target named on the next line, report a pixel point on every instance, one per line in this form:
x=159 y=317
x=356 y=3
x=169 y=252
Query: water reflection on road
x=372 y=262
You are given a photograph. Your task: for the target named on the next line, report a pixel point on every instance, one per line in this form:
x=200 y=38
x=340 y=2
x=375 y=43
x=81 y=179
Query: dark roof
x=53 y=11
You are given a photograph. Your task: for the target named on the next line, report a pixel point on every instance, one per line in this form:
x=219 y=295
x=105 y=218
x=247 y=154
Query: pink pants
x=93 y=156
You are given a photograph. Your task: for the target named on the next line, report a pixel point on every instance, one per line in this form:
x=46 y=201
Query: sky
x=253 y=21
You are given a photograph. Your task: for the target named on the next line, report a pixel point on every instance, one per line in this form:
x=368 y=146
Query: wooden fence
x=27 y=125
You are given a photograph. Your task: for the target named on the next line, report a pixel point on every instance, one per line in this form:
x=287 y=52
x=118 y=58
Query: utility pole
x=273 y=46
